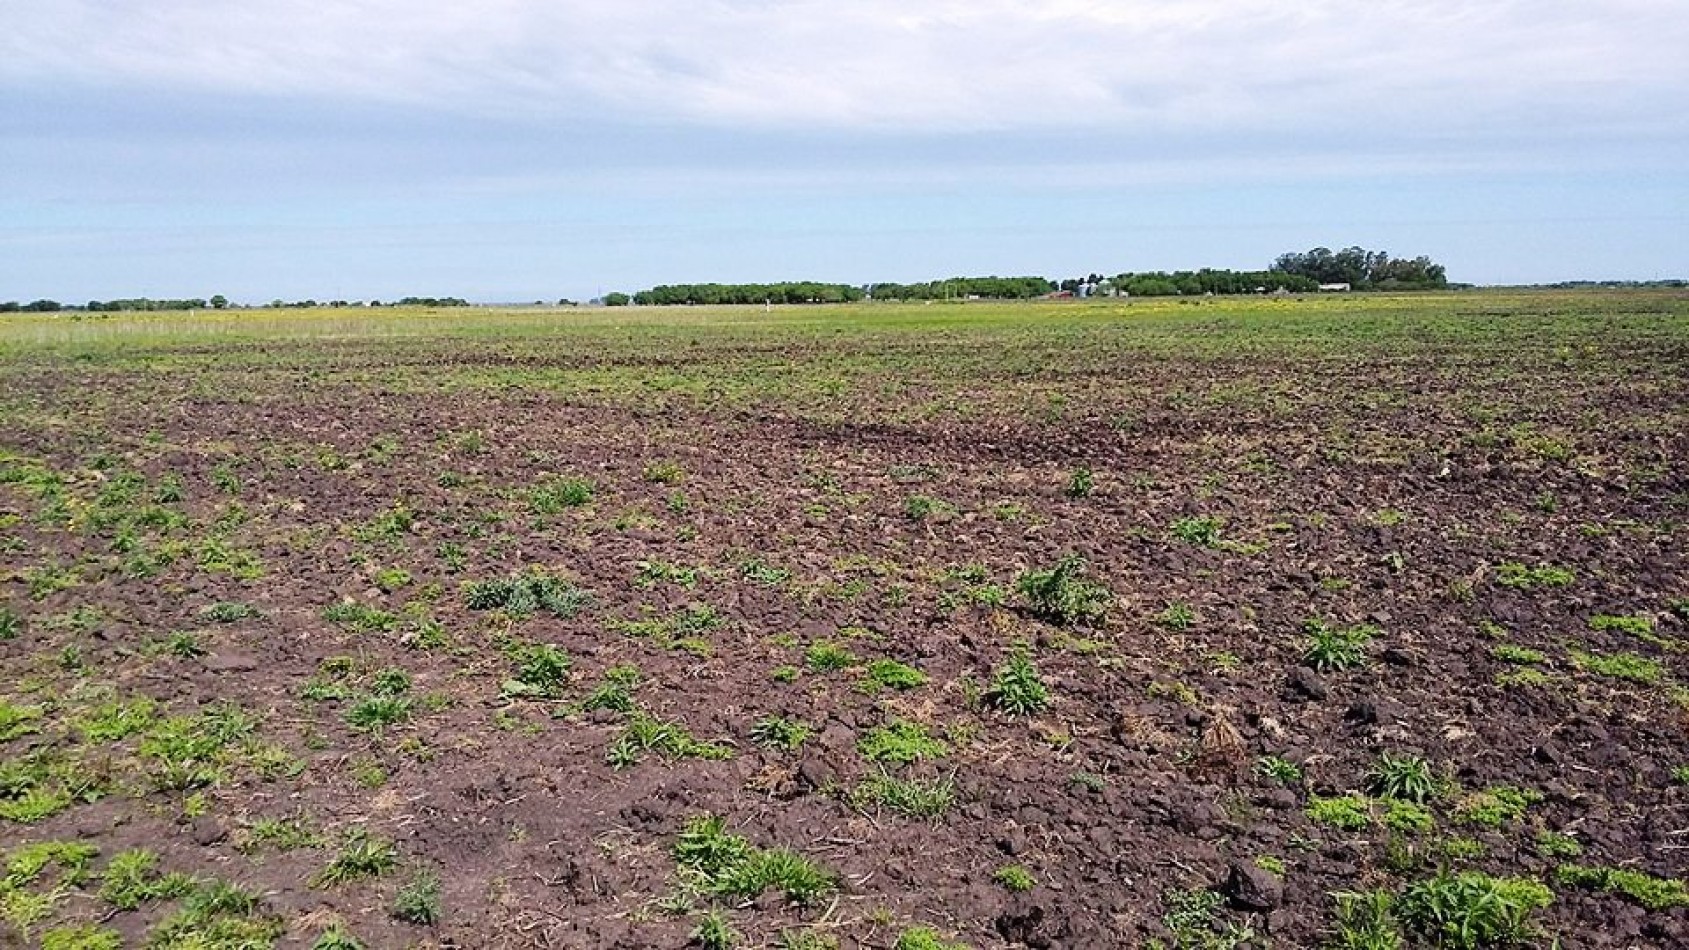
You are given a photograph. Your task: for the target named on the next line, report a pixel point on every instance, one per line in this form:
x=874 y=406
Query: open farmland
x=1088 y=625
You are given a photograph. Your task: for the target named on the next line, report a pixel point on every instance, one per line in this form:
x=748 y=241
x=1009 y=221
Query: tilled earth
x=1506 y=519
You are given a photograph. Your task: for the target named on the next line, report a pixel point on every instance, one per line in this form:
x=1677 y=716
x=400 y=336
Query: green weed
x=1062 y=596
x=360 y=857
x=890 y=674
x=1017 y=688
x=902 y=742
x=1470 y=910
x=779 y=732
x=418 y=900
x=910 y=797
x=1645 y=890
x=1329 y=648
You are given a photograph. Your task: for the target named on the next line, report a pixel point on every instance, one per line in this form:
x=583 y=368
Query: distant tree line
x=1185 y=283
x=993 y=288
x=1294 y=272
x=1670 y=283
x=802 y=291
x=148 y=304
x=1362 y=269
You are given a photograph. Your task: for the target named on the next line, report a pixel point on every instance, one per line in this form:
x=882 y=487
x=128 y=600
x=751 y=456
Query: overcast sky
x=520 y=150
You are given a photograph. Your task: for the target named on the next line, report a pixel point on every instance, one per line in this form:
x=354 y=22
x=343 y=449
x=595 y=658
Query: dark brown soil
x=1360 y=487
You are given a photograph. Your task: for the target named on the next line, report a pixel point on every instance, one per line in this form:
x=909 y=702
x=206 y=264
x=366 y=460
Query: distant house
x=1342 y=288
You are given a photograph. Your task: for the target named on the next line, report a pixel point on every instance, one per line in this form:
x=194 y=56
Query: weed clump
x=360 y=857
x=717 y=863
x=1330 y=648
x=1405 y=778
x=671 y=741
x=909 y=797
x=1017 y=688
x=418 y=901
x=524 y=594
x=1062 y=596
x=1470 y=910
x=902 y=742
x=1644 y=890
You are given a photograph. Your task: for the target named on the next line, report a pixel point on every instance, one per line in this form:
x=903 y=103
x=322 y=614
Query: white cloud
x=895 y=64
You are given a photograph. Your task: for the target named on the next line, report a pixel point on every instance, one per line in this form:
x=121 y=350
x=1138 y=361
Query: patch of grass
x=714 y=932
x=1407 y=817
x=360 y=618
x=229 y=612
x=664 y=473
x=1527 y=676
x=132 y=879
x=1511 y=653
x=553 y=496
x=1645 y=890
x=1203 y=532
x=649 y=574
x=1177 y=616
x=81 y=937
x=902 y=742
x=1636 y=626
x=418 y=901
x=522 y=595
x=1407 y=778
x=1554 y=844
x=825 y=656
x=374 y=713
x=1522 y=577
x=280 y=834
x=11 y=625
x=360 y=857
x=1470 y=909
x=1015 y=878
x=1622 y=666
x=925 y=938
x=718 y=863
x=336 y=938
x=1495 y=807
x=541 y=671
x=670 y=740
x=1343 y=812
x=1192 y=917
x=390 y=579
x=17 y=721
x=890 y=674
x=189 y=751
x=780 y=732
x=616 y=692
x=1279 y=769
x=1062 y=596
x=1017 y=688
x=1330 y=648
x=911 y=797
x=1081 y=483
x=760 y=572
x=25 y=865
x=921 y=507
x=806 y=940
x=1366 y=920
x=1463 y=849
x=216 y=914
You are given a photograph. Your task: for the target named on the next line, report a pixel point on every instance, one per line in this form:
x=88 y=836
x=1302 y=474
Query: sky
x=517 y=150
